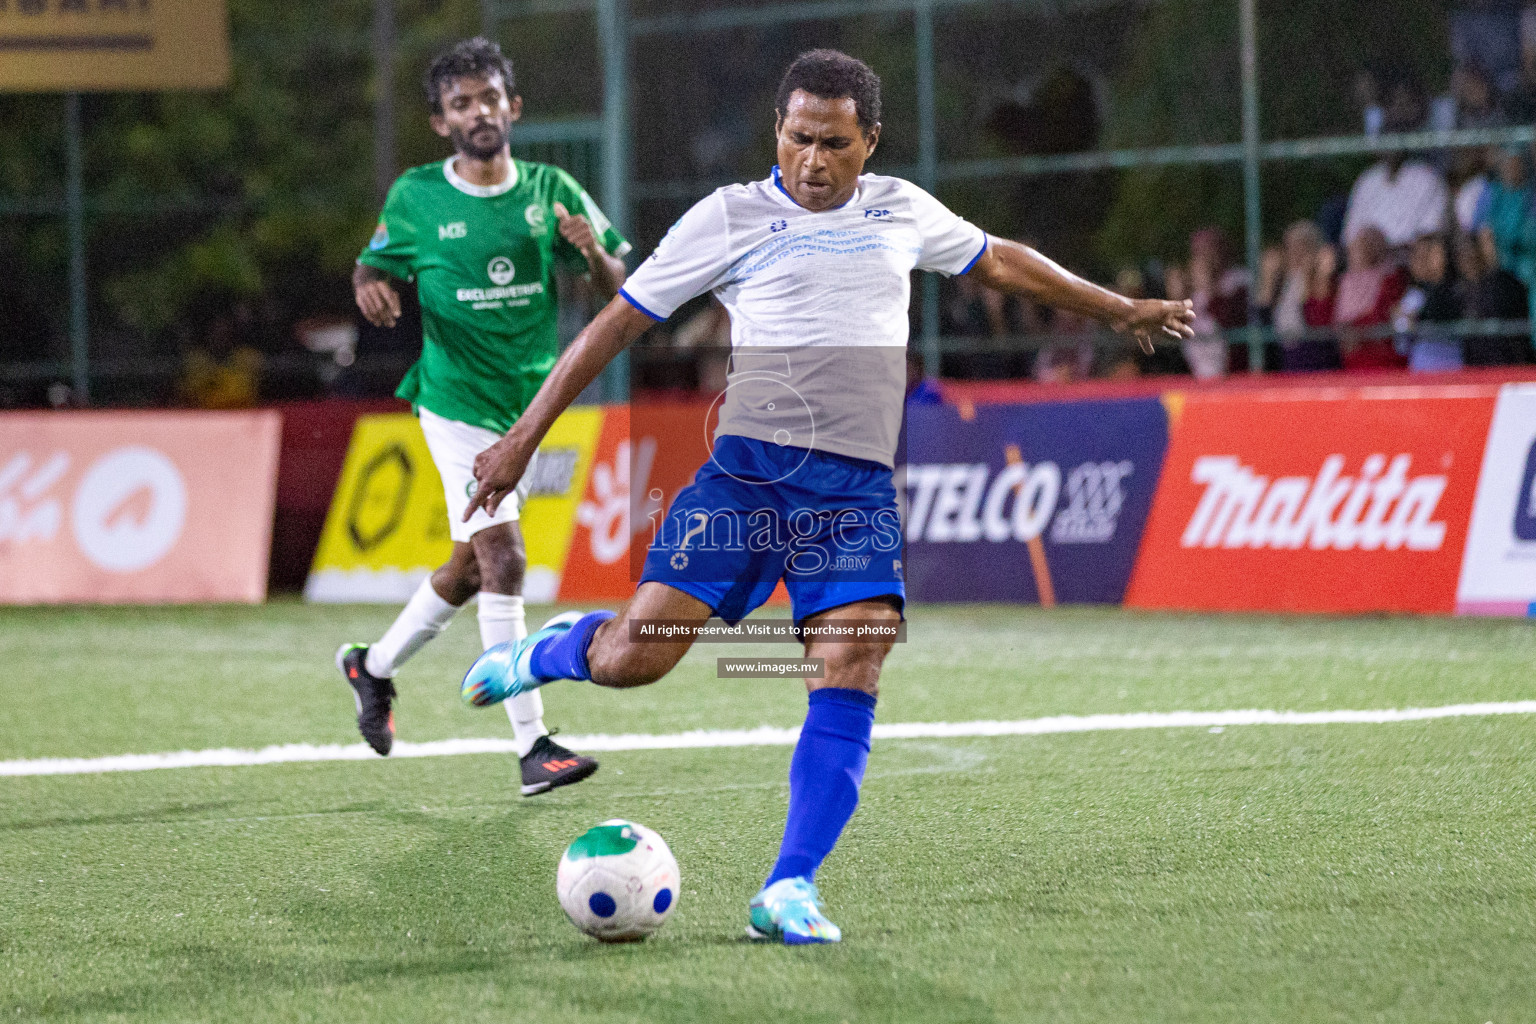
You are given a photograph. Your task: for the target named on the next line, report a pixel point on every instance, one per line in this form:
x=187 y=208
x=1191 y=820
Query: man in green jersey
x=481 y=235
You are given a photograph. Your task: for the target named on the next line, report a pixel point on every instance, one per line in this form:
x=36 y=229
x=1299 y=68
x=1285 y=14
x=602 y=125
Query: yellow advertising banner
x=387 y=528
x=112 y=45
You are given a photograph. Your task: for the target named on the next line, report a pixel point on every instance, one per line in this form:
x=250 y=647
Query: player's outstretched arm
x=499 y=468
x=1011 y=267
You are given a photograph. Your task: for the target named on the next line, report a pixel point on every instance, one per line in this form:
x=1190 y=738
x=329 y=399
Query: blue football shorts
x=756 y=513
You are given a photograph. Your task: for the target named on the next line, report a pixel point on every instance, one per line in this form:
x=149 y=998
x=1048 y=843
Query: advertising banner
x=1029 y=503
x=131 y=508
x=113 y=45
x=387 y=529
x=1498 y=573
x=1319 y=500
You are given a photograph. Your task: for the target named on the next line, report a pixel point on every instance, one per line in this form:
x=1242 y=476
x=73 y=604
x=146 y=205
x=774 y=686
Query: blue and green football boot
x=789 y=911
x=503 y=671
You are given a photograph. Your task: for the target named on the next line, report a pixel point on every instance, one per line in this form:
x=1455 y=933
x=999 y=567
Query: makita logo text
x=1381 y=508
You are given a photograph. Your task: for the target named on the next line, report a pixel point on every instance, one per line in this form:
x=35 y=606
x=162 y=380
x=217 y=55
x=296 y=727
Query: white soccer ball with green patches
x=618 y=882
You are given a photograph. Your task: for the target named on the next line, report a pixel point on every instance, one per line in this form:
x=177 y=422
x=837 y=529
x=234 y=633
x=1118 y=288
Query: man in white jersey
x=813 y=264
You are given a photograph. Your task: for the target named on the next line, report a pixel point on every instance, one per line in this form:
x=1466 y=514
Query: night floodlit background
x=1217 y=696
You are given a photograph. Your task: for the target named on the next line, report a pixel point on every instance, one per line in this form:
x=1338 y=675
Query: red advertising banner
x=131 y=508
x=1315 y=500
x=646 y=453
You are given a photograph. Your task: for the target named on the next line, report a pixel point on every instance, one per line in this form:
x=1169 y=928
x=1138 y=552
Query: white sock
x=502 y=619
x=422 y=618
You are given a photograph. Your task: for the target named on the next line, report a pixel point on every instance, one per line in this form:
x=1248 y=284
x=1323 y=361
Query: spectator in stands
x=1403 y=197
x=1520 y=100
x=1486 y=33
x=1287 y=280
x=1470 y=103
x=1433 y=298
x=223 y=372
x=1367 y=96
x=1504 y=222
x=1490 y=293
x=1070 y=355
x=1364 y=300
x=1220 y=294
x=1469 y=185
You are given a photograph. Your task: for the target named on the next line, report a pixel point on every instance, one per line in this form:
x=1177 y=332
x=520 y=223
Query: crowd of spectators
x=1429 y=263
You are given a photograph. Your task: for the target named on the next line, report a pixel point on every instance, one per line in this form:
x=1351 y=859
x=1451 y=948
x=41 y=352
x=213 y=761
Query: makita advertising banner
x=1317 y=500
x=1029 y=503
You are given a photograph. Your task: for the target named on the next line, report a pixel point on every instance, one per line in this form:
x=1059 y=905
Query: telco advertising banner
x=136 y=507
x=1029 y=503
x=1498 y=574
x=1316 y=500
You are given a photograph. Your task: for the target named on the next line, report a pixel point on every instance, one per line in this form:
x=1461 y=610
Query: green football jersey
x=483 y=259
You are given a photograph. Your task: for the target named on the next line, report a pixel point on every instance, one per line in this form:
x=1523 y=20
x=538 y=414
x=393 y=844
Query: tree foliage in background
x=1182 y=85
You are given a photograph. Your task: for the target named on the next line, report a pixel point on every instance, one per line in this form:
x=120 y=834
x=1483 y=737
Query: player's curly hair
x=832 y=75
x=477 y=56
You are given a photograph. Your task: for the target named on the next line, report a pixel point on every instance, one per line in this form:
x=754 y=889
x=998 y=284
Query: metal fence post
x=927 y=167
x=1253 y=214
x=384 y=96
x=613 y=32
x=74 y=205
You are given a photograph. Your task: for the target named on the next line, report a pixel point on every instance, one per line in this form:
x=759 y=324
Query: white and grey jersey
x=818 y=304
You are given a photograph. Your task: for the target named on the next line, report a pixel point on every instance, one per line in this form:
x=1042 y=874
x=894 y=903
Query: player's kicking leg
x=826 y=770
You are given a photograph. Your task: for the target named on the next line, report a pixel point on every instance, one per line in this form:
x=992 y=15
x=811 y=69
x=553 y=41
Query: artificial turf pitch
x=1261 y=873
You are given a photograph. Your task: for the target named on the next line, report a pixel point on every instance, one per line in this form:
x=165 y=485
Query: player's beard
x=492 y=138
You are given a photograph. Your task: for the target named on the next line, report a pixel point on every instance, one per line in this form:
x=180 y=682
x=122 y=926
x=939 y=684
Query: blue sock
x=824 y=778
x=564 y=656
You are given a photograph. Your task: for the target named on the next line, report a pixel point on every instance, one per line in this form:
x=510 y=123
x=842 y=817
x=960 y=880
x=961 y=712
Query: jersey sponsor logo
x=380 y=239
x=1381 y=507
x=501 y=272
x=458 y=229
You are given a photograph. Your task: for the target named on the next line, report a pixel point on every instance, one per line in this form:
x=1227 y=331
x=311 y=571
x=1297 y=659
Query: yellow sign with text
x=113 y=45
x=387 y=528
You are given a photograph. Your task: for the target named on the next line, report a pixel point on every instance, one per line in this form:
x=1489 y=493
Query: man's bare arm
x=1011 y=267
x=499 y=468
x=606 y=272
x=376 y=296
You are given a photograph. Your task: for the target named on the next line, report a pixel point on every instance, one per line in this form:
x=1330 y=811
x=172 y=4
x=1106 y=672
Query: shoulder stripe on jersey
x=632 y=301
x=978 y=256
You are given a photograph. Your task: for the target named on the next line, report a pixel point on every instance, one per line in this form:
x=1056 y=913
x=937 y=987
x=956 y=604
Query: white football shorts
x=454 y=446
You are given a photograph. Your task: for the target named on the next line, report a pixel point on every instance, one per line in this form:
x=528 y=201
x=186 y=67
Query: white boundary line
x=764 y=736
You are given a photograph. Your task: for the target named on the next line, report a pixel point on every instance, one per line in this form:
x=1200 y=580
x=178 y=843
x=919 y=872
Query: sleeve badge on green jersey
x=380 y=238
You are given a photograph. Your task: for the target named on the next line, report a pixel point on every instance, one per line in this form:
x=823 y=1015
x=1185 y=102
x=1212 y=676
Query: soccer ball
x=618 y=882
